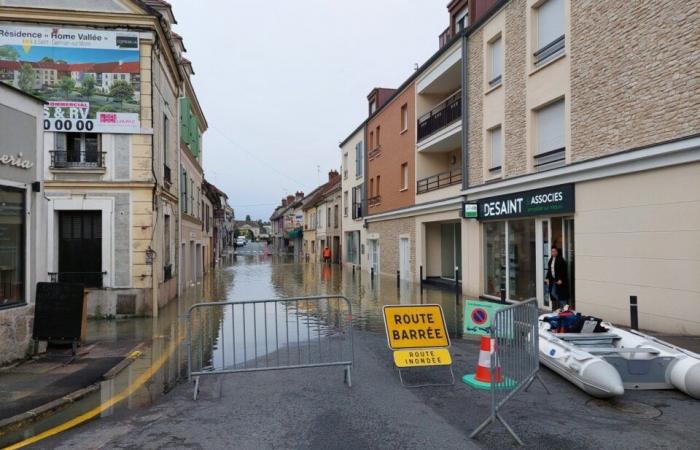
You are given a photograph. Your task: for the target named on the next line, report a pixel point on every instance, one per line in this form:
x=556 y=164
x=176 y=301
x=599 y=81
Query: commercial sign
x=415 y=326
x=422 y=357
x=90 y=79
x=545 y=201
x=470 y=210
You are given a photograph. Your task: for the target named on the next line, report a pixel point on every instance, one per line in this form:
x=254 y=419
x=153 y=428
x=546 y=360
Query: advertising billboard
x=90 y=79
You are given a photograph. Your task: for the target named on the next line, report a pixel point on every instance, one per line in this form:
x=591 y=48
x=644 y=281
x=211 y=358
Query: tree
x=66 y=86
x=87 y=87
x=121 y=90
x=8 y=53
x=247 y=217
x=47 y=59
x=251 y=235
x=26 y=77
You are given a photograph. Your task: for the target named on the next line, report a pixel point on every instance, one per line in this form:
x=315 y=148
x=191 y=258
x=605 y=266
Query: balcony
x=374 y=153
x=357 y=210
x=374 y=201
x=90 y=159
x=439 y=181
x=444 y=114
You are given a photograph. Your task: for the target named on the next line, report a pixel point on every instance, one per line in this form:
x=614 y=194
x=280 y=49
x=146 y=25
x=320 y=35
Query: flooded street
x=160 y=344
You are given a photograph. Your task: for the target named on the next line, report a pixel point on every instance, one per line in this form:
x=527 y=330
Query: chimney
x=333 y=175
x=284 y=202
x=299 y=195
x=290 y=199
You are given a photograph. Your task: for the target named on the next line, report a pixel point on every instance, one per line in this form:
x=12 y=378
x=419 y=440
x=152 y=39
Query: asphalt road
x=313 y=409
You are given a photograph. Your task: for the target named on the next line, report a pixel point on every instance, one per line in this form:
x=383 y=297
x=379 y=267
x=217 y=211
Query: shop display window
x=12 y=242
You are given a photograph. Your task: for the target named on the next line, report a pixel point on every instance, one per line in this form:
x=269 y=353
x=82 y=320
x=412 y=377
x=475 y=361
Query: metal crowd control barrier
x=269 y=334
x=514 y=359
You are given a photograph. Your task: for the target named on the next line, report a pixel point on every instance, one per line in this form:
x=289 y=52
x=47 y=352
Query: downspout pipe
x=465 y=111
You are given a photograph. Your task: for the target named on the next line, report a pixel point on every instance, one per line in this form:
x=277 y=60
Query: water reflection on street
x=161 y=361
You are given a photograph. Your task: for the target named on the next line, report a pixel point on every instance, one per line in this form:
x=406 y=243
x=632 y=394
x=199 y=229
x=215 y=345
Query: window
x=378 y=141
x=404 y=118
x=183 y=190
x=345 y=203
x=496 y=145
x=550 y=31
x=404 y=176
x=462 y=19
x=328 y=217
x=12 y=244
x=371 y=140
x=335 y=216
x=191 y=205
x=166 y=130
x=372 y=106
x=359 y=159
x=76 y=150
x=345 y=166
x=378 y=178
x=496 y=63
x=371 y=187
x=551 y=141
x=166 y=241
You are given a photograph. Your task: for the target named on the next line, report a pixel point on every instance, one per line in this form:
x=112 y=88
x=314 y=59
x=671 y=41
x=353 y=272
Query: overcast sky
x=283 y=82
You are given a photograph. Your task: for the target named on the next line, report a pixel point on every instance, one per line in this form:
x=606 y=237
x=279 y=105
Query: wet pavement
x=312 y=408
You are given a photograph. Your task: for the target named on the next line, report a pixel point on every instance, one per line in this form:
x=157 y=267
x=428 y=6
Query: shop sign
x=16 y=161
x=470 y=210
x=537 y=202
x=415 y=326
x=90 y=78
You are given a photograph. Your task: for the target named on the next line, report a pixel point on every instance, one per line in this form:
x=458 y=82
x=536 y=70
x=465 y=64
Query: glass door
x=569 y=253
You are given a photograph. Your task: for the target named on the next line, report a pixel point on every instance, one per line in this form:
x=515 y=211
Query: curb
x=21 y=420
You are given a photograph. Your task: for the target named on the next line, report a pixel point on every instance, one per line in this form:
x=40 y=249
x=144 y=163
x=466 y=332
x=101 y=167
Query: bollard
x=458 y=294
x=503 y=295
x=634 y=319
x=421 y=278
x=398 y=278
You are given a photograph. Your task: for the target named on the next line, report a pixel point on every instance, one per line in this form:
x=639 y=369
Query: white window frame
x=493 y=132
x=495 y=63
x=554 y=139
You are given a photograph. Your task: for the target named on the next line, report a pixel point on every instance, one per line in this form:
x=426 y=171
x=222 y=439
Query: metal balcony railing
x=89 y=279
x=441 y=116
x=90 y=159
x=374 y=201
x=550 y=51
x=438 y=181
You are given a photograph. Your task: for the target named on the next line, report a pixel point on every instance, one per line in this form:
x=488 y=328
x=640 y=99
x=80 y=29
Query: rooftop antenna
x=415 y=67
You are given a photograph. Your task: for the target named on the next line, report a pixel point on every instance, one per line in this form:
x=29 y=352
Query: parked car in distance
x=241 y=241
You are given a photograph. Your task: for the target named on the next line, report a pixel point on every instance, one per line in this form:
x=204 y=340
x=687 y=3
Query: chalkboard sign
x=60 y=313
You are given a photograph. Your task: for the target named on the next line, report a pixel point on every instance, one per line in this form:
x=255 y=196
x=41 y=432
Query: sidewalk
x=46 y=384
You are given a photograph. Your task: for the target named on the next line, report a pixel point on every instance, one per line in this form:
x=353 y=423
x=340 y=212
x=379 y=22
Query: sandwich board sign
x=418 y=336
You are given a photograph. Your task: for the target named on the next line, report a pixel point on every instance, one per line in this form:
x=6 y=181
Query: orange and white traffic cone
x=485 y=374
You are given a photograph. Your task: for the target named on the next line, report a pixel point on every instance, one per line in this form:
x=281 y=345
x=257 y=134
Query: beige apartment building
x=105 y=181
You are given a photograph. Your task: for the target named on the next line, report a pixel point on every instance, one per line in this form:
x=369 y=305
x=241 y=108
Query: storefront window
x=521 y=260
x=11 y=246
x=495 y=257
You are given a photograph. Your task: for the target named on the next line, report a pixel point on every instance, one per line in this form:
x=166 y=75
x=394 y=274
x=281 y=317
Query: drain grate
x=626 y=407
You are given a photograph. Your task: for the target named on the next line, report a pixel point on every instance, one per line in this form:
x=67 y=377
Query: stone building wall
x=476 y=107
x=15 y=333
x=514 y=80
x=635 y=74
x=389 y=232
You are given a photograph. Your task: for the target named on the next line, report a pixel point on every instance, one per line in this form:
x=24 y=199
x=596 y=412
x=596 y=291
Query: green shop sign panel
x=546 y=201
x=478 y=316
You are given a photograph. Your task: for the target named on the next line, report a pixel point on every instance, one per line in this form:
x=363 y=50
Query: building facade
x=352 y=152
x=22 y=218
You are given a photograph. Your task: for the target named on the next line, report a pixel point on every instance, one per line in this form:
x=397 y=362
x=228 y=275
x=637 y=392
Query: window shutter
x=550 y=127
x=496 y=147
x=496 y=58
x=550 y=22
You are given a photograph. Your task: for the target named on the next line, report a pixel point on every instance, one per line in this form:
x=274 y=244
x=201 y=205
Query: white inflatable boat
x=604 y=364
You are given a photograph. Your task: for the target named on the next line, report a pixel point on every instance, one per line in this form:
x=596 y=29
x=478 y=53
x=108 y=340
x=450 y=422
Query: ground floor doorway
x=373 y=255
x=80 y=247
x=516 y=255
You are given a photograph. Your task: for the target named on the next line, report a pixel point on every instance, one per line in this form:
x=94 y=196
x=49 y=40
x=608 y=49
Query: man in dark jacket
x=557 y=279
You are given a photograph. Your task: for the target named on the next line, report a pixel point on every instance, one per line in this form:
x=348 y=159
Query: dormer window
x=462 y=20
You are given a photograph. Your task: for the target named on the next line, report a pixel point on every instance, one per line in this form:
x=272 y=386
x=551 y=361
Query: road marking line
x=140 y=381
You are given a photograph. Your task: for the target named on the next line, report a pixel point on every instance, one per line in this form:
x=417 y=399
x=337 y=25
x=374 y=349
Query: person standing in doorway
x=326 y=255
x=557 y=279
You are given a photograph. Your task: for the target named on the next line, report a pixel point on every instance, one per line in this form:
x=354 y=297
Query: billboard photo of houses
x=79 y=72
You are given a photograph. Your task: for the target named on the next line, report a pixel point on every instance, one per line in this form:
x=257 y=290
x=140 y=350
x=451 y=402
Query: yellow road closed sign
x=415 y=326
x=422 y=357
